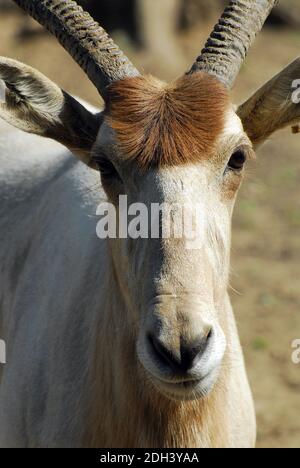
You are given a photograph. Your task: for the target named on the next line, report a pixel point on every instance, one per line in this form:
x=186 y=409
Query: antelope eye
x=107 y=169
x=237 y=160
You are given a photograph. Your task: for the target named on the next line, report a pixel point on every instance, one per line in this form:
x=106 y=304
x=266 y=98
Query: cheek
x=131 y=260
x=129 y=276
x=218 y=241
x=230 y=186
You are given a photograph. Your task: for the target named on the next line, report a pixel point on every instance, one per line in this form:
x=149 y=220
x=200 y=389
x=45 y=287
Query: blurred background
x=163 y=37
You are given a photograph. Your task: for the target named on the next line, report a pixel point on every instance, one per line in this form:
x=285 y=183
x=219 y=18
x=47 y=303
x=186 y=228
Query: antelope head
x=169 y=144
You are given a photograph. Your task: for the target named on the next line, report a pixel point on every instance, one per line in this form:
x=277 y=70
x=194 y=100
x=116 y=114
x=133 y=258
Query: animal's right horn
x=85 y=40
x=228 y=44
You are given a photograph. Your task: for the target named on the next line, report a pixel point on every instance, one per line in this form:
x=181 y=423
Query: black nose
x=183 y=359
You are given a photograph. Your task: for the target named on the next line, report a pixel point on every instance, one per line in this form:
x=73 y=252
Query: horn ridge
x=85 y=40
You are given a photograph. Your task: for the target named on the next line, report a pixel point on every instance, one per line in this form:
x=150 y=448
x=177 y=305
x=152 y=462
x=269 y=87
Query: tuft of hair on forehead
x=167 y=125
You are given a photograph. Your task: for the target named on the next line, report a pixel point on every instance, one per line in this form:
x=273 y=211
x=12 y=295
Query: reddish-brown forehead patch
x=167 y=125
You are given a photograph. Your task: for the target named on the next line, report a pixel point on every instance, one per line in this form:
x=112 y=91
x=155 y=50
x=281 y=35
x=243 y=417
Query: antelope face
x=173 y=146
x=174 y=268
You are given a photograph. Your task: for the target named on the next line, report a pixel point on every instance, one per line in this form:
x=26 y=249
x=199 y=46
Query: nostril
x=163 y=354
x=209 y=334
x=198 y=349
x=184 y=358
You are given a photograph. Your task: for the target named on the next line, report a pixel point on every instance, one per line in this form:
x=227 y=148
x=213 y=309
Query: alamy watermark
x=2 y=92
x=296 y=92
x=296 y=352
x=2 y=352
x=157 y=221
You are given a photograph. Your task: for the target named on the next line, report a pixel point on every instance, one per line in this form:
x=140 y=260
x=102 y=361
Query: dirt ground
x=266 y=232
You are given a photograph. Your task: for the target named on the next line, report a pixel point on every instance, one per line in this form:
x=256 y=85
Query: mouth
x=186 y=390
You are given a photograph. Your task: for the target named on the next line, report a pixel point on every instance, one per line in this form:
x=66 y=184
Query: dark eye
x=237 y=160
x=107 y=169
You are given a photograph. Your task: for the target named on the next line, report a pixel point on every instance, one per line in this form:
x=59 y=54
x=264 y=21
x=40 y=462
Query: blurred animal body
x=126 y=342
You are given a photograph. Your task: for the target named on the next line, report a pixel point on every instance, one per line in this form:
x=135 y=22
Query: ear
x=36 y=105
x=276 y=105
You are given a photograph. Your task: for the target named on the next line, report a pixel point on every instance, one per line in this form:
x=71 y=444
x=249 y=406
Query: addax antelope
x=125 y=342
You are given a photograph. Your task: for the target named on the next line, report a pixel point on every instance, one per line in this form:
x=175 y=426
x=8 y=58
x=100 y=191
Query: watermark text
x=157 y=221
x=2 y=352
x=296 y=352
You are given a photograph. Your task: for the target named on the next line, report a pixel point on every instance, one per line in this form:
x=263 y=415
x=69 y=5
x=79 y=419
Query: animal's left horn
x=232 y=37
x=84 y=39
